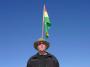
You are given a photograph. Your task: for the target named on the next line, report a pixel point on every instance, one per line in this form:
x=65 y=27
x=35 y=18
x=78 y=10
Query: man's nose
x=41 y=46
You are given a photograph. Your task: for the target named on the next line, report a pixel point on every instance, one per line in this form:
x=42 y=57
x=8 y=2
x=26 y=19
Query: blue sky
x=20 y=26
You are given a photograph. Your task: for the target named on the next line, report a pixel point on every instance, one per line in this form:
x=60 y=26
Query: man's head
x=41 y=45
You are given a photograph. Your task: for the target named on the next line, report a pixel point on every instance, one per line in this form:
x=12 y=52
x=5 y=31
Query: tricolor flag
x=46 y=21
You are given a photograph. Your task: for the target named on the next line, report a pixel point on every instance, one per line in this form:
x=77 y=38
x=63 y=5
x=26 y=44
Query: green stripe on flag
x=47 y=24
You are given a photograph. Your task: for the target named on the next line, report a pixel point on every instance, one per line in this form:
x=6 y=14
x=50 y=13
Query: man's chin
x=42 y=50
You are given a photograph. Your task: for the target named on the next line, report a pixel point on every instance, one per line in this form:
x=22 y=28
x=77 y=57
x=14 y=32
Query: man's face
x=41 y=47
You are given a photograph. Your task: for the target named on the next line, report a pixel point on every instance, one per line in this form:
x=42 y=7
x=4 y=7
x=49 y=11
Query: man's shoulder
x=33 y=58
x=52 y=56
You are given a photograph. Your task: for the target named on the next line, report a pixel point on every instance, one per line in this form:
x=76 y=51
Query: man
x=42 y=58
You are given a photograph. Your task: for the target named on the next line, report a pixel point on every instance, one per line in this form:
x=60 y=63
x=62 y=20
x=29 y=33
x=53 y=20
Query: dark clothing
x=43 y=61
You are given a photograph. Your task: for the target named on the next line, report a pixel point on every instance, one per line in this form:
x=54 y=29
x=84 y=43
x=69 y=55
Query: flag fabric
x=47 y=23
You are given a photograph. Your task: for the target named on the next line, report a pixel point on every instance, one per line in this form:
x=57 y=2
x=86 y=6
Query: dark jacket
x=43 y=61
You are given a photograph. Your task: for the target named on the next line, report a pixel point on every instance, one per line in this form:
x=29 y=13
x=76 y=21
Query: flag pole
x=43 y=25
x=43 y=21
